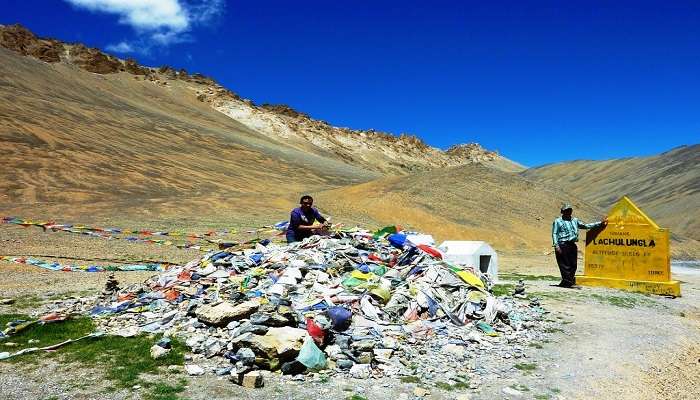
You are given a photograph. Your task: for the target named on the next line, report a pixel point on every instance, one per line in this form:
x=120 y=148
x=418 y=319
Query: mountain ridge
x=379 y=151
x=666 y=186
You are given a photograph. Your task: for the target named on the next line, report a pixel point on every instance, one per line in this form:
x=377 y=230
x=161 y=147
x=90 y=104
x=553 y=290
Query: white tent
x=472 y=253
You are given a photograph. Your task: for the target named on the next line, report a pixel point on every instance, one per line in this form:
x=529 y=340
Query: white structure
x=472 y=253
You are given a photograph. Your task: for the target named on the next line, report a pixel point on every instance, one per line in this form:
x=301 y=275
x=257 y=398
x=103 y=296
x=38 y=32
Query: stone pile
x=355 y=304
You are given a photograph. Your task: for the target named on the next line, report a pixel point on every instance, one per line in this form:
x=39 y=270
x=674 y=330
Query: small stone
x=33 y=341
x=194 y=370
x=136 y=387
x=224 y=371
x=511 y=392
x=4 y=355
x=268 y=319
x=463 y=396
x=345 y=364
x=455 y=350
x=128 y=332
x=252 y=380
x=361 y=371
x=293 y=367
x=383 y=355
x=390 y=343
x=246 y=356
x=158 y=352
x=420 y=392
x=5 y=302
x=363 y=345
x=173 y=368
x=365 y=357
x=11 y=344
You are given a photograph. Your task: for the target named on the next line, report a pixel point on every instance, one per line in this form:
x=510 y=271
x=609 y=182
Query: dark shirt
x=299 y=217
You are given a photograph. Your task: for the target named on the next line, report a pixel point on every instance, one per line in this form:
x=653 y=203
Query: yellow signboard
x=630 y=253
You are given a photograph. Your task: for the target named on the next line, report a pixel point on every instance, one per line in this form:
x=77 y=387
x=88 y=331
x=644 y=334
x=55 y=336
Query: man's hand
x=605 y=221
x=557 y=249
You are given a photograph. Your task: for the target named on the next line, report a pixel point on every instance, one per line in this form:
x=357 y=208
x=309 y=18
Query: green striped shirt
x=565 y=231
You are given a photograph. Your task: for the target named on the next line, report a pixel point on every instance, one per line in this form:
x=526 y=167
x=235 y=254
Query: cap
x=566 y=206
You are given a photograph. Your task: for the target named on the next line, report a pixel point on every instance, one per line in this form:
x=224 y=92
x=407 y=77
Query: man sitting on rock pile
x=302 y=221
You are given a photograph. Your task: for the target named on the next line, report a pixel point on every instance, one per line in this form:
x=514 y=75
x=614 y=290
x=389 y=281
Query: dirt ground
x=612 y=345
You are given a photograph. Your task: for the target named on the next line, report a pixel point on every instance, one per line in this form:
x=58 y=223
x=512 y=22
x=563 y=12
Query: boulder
x=361 y=371
x=194 y=369
x=223 y=313
x=252 y=380
x=278 y=343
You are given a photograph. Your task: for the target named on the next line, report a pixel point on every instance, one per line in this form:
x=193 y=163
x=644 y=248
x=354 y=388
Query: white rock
x=420 y=392
x=455 y=349
x=361 y=371
x=158 y=352
x=128 y=332
x=383 y=355
x=511 y=392
x=194 y=369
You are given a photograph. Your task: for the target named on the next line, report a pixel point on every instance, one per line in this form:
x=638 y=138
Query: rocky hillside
x=666 y=186
x=376 y=151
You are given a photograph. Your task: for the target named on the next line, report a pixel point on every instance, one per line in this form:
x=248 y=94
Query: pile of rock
x=356 y=304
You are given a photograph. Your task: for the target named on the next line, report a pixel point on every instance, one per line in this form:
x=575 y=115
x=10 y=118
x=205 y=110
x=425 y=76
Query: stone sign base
x=668 y=288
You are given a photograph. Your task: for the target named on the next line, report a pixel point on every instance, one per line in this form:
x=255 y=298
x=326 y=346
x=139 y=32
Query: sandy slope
x=72 y=137
x=467 y=202
x=666 y=186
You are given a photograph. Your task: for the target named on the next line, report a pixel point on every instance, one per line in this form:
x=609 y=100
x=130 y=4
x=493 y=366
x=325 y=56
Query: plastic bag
x=311 y=356
x=340 y=317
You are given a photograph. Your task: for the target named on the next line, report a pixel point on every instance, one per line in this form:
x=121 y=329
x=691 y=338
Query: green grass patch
x=544 y=396
x=527 y=277
x=629 y=301
x=502 y=289
x=355 y=397
x=525 y=367
x=27 y=302
x=520 y=387
x=553 y=330
x=47 y=334
x=535 y=345
x=410 y=379
x=123 y=360
x=554 y=390
x=164 y=391
x=554 y=295
x=450 y=387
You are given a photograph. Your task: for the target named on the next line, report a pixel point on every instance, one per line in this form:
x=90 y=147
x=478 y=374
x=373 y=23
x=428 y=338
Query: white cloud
x=121 y=47
x=163 y=22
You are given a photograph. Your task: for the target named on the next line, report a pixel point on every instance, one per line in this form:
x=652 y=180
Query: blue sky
x=539 y=81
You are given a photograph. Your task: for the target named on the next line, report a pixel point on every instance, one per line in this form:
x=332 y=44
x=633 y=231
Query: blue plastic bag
x=397 y=240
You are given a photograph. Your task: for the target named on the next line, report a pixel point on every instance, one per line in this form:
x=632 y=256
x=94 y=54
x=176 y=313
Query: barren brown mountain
x=666 y=186
x=85 y=135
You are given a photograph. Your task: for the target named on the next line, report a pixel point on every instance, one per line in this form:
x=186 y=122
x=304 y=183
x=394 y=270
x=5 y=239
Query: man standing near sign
x=564 y=238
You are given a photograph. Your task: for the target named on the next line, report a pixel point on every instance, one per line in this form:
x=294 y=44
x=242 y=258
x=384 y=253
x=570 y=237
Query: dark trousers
x=566 y=259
